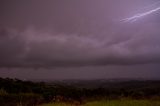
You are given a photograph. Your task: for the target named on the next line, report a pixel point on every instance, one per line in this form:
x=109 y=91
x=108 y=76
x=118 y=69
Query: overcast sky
x=79 y=39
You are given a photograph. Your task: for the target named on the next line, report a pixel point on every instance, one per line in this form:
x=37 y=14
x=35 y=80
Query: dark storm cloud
x=32 y=48
x=76 y=34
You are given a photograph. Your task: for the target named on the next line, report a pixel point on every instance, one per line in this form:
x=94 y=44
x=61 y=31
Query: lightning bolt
x=140 y=15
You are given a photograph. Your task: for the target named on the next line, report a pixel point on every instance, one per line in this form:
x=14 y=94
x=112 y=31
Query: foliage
x=3 y=92
x=15 y=92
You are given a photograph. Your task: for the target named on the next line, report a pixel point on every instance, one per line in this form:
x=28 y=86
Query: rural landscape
x=117 y=92
x=79 y=52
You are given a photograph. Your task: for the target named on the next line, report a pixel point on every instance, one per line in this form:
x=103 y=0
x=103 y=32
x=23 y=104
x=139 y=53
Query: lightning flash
x=140 y=15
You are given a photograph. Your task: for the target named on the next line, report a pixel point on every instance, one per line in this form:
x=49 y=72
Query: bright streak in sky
x=140 y=15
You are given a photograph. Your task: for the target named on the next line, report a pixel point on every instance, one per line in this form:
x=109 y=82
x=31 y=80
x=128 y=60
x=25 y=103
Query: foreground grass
x=113 y=103
x=57 y=104
x=124 y=103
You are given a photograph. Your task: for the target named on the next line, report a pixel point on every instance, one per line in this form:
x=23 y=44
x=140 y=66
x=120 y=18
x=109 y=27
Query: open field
x=112 y=103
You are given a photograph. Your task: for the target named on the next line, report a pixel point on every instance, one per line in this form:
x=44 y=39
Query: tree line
x=15 y=92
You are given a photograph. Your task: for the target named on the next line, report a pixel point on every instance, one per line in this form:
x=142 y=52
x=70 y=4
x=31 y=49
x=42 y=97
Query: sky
x=79 y=39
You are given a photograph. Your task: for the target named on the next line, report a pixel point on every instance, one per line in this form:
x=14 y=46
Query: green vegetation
x=14 y=92
x=56 y=104
x=123 y=102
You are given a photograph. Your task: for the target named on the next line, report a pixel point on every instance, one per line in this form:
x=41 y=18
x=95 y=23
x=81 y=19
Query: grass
x=113 y=103
x=124 y=103
x=57 y=104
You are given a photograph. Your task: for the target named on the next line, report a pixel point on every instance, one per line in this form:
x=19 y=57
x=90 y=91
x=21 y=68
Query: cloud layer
x=77 y=33
x=122 y=46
